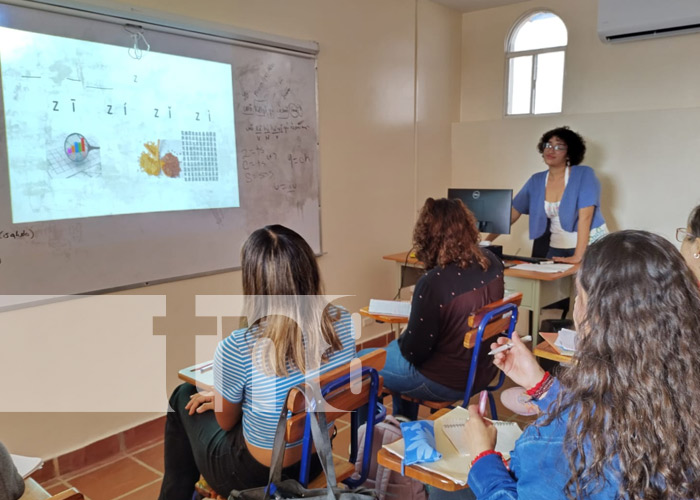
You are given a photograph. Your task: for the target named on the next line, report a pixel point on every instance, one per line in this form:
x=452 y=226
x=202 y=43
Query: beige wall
x=636 y=103
x=377 y=164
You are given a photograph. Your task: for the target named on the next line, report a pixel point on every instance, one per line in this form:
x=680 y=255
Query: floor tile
x=149 y=492
x=114 y=480
x=57 y=487
x=153 y=457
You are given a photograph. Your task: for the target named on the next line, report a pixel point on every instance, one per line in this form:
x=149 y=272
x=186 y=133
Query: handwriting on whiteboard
x=17 y=234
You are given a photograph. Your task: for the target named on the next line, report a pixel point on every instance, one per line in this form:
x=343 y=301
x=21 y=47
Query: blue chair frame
x=513 y=309
x=373 y=418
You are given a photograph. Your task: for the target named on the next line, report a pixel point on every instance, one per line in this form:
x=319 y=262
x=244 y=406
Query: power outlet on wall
x=367 y=321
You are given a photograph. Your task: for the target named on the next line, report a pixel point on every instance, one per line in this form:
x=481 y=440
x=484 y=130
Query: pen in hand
x=483 y=396
x=509 y=345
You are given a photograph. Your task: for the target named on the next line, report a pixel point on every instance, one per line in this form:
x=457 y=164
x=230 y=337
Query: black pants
x=195 y=444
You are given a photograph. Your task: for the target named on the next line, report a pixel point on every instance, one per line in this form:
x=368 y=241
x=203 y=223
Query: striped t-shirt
x=238 y=380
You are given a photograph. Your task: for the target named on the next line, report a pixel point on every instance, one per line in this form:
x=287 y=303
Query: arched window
x=535 y=55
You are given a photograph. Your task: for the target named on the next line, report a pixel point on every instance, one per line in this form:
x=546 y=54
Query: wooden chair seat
x=343 y=470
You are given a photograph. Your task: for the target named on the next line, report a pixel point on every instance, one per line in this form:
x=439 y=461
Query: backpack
x=385 y=481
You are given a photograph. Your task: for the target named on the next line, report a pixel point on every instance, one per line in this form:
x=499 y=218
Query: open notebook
x=27 y=465
x=454 y=464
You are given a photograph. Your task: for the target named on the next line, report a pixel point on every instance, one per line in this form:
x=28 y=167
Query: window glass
x=549 y=83
x=535 y=60
x=539 y=31
x=520 y=88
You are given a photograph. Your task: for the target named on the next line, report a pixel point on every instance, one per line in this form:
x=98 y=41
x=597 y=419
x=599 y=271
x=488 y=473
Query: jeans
x=196 y=444
x=560 y=252
x=402 y=377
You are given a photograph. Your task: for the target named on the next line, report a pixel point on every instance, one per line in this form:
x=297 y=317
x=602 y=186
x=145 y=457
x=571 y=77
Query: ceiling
x=471 y=5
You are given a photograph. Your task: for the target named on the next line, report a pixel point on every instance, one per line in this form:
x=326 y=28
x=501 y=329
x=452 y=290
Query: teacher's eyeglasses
x=682 y=234
x=555 y=147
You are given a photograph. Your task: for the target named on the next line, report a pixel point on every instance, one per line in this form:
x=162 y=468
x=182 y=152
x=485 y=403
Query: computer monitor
x=491 y=207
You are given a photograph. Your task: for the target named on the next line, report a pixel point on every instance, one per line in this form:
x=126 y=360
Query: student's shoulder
x=495 y=263
x=238 y=338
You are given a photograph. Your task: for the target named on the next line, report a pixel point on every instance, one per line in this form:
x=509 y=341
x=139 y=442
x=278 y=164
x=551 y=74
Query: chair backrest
x=491 y=320
x=496 y=324
x=343 y=392
x=342 y=399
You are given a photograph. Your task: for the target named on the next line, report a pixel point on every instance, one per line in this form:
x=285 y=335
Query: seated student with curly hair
x=622 y=420
x=429 y=360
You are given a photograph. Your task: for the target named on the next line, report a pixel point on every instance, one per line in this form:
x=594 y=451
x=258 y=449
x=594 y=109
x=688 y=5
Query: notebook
x=553 y=340
x=390 y=307
x=544 y=268
x=453 y=425
x=27 y=465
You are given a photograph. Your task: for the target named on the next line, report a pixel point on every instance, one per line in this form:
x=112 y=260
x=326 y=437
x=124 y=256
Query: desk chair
x=342 y=394
x=485 y=323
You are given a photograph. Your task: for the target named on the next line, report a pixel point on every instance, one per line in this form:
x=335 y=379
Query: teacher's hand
x=200 y=402
x=517 y=362
x=480 y=433
x=567 y=260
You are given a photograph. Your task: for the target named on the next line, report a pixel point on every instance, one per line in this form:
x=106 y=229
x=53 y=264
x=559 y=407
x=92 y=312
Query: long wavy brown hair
x=446 y=233
x=284 y=298
x=633 y=390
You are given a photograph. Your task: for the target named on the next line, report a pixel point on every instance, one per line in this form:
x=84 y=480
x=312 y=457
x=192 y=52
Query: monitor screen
x=491 y=207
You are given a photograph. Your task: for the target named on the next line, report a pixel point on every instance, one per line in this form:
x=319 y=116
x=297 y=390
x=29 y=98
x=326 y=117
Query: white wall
x=637 y=104
x=382 y=64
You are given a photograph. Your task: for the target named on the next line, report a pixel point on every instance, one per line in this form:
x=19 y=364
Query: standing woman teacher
x=565 y=198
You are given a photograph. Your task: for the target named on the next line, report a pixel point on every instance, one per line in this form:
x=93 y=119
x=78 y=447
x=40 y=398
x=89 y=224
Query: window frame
x=535 y=54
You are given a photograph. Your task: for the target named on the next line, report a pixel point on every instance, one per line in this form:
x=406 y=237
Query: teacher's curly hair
x=576 y=146
x=633 y=388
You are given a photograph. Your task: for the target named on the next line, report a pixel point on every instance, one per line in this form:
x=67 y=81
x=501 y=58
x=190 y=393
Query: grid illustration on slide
x=200 y=162
x=61 y=167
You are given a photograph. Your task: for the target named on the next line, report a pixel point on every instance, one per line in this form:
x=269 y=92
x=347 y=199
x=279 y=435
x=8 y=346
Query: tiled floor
x=131 y=476
x=137 y=475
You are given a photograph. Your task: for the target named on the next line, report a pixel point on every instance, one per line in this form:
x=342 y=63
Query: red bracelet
x=488 y=452
x=531 y=392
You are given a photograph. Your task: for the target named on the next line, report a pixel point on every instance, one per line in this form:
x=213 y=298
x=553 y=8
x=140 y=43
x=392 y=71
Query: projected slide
x=93 y=131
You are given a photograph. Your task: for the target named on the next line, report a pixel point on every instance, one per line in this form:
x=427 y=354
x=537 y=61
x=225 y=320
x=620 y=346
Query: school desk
x=201 y=375
x=391 y=461
x=538 y=289
x=547 y=351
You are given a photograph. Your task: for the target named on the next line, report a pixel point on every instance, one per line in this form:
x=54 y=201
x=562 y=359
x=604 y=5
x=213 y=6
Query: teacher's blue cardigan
x=582 y=190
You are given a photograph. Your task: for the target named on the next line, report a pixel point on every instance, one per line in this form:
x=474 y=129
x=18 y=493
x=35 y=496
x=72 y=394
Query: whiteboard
x=275 y=111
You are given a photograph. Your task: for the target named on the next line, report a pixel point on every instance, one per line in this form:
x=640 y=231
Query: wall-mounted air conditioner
x=625 y=20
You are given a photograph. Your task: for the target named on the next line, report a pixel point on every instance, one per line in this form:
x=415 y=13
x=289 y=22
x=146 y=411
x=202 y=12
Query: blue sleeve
x=230 y=369
x=417 y=341
x=589 y=193
x=521 y=202
x=490 y=480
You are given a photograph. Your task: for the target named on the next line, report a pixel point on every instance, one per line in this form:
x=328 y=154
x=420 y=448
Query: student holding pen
x=621 y=422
